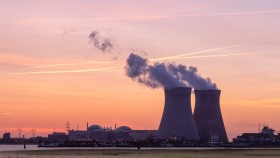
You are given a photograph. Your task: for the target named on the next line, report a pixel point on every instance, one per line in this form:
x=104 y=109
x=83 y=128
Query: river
x=34 y=147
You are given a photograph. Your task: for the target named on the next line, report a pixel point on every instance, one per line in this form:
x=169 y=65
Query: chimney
x=87 y=125
x=208 y=116
x=177 y=119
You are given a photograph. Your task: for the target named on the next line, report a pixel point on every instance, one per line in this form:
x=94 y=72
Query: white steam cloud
x=167 y=75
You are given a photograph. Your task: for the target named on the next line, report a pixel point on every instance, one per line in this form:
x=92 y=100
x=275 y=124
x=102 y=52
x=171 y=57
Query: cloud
x=162 y=16
x=178 y=56
x=167 y=75
x=7 y=113
x=101 y=43
x=65 y=71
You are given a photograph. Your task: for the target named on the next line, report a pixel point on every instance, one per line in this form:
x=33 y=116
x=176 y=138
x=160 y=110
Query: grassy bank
x=219 y=153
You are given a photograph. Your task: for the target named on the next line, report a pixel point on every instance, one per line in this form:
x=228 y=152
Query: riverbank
x=153 y=153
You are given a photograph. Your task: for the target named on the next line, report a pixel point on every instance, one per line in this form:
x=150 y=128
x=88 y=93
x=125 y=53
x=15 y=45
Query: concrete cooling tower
x=208 y=116
x=177 y=119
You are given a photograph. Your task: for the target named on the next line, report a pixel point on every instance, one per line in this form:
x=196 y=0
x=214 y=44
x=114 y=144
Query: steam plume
x=101 y=43
x=167 y=75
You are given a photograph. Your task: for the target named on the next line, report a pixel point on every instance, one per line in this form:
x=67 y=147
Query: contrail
x=215 y=49
x=109 y=68
x=78 y=63
x=164 y=16
x=221 y=55
x=66 y=71
x=157 y=59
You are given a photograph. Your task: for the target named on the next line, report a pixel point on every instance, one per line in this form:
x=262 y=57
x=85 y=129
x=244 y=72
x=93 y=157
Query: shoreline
x=178 y=153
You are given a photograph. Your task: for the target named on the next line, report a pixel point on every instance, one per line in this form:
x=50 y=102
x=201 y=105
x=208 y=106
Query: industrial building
x=208 y=116
x=265 y=137
x=97 y=132
x=7 y=135
x=205 y=125
x=57 y=137
x=177 y=120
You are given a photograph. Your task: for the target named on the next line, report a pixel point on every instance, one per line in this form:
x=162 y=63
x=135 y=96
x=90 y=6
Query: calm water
x=17 y=147
x=34 y=147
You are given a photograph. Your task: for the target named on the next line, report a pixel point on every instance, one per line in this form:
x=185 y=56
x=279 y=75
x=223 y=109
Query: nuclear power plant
x=177 y=119
x=208 y=116
x=206 y=124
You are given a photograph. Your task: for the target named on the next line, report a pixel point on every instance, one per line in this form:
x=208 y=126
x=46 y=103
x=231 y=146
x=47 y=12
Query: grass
x=124 y=153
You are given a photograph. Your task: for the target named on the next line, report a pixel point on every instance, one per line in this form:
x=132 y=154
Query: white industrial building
x=97 y=132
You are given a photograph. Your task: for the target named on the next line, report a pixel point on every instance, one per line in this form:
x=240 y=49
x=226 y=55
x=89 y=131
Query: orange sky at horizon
x=249 y=83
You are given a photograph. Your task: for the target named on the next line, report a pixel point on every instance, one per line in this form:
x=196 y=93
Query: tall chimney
x=208 y=116
x=177 y=119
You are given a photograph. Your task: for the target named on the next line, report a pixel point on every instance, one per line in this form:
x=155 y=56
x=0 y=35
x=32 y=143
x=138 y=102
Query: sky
x=39 y=33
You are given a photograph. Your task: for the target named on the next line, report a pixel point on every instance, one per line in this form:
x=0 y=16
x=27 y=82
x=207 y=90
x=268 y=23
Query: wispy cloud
x=220 y=48
x=157 y=16
x=109 y=68
x=65 y=71
x=221 y=55
x=178 y=56
x=7 y=113
x=264 y=103
x=77 y=63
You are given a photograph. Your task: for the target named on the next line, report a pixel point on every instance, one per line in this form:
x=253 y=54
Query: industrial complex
x=178 y=127
x=177 y=122
x=97 y=132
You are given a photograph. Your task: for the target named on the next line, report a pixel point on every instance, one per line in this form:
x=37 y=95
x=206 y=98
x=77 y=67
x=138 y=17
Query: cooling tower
x=177 y=119
x=208 y=116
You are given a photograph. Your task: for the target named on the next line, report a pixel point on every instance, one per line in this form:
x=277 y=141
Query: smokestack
x=177 y=119
x=208 y=116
